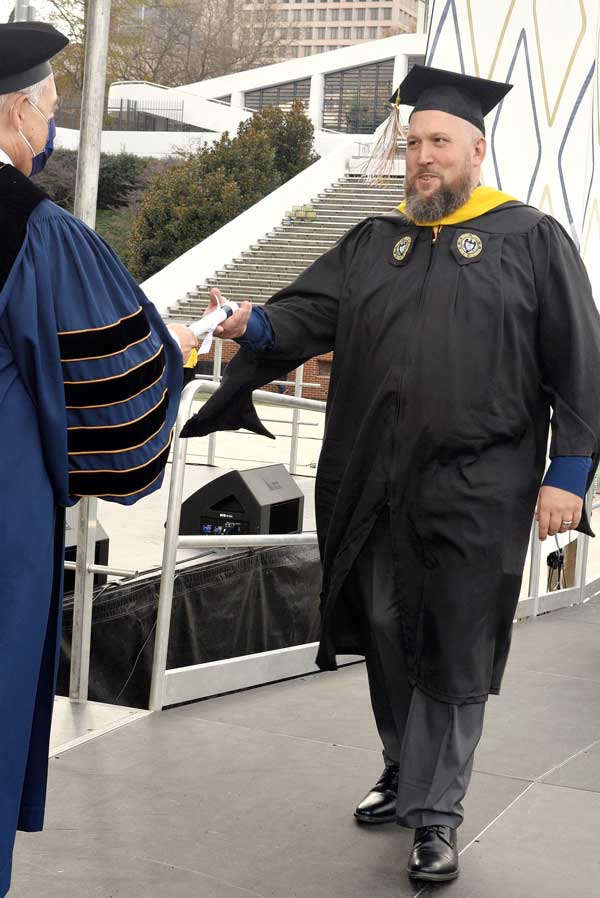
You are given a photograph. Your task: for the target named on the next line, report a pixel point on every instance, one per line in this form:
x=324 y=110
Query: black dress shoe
x=379 y=805
x=434 y=856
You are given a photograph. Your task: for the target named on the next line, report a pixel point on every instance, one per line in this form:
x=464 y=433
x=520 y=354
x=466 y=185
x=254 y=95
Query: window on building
x=335 y=15
x=346 y=33
x=320 y=34
x=322 y=15
x=294 y=51
x=347 y=15
x=356 y=100
x=296 y=34
x=308 y=33
x=281 y=95
x=374 y=14
x=333 y=33
x=360 y=14
x=387 y=14
x=296 y=15
x=372 y=32
x=359 y=33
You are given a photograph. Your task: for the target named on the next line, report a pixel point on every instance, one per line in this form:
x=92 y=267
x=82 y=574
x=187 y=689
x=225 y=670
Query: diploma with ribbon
x=205 y=327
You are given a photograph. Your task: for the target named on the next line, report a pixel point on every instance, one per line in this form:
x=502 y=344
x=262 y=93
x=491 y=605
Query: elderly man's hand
x=235 y=326
x=557 y=512
x=187 y=339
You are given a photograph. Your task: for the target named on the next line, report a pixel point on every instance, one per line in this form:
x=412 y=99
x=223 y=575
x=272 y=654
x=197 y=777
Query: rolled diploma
x=205 y=327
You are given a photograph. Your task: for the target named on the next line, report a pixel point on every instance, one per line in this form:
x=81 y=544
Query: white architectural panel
x=544 y=139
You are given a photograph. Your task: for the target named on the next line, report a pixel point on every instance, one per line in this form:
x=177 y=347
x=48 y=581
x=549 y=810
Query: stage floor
x=77 y=722
x=251 y=795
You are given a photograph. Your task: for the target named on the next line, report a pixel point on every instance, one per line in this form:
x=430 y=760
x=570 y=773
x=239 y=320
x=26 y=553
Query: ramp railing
x=171 y=687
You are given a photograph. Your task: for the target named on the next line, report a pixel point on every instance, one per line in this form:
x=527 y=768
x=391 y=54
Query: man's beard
x=444 y=201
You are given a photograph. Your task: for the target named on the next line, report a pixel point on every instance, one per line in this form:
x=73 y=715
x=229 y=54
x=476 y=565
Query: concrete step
x=263 y=283
x=238 y=294
x=308 y=241
x=259 y=265
x=326 y=230
x=281 y=272
x=317 y=224
x=356 y=197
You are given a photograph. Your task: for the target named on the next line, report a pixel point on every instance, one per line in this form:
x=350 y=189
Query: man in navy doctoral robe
x=89 y=391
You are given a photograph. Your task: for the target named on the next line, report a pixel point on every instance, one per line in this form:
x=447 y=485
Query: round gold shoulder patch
x=401 y=249
x=469 y=245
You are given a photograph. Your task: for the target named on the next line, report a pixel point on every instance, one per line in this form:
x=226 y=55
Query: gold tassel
x=381 y=162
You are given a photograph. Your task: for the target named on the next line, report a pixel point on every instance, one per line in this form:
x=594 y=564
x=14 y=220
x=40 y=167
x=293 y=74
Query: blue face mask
x=40 y=159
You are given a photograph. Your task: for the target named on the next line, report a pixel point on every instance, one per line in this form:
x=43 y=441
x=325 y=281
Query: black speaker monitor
x=260 y=500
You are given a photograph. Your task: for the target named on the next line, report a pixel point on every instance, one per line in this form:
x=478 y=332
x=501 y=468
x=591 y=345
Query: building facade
x=306 y=27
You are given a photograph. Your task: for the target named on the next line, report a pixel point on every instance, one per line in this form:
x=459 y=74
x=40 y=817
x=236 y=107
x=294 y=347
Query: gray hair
x=34 y=93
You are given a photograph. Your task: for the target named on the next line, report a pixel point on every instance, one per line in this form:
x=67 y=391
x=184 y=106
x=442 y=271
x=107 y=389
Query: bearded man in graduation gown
x=459 y=323
x=89 y=390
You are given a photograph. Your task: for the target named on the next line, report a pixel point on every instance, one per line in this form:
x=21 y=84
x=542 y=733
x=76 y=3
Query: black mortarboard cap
x=465 y=96
x=25 y=51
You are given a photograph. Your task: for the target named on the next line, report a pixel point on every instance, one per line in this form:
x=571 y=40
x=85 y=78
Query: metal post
x=212 y=440
x=86 y=195
x=82 y=608
x=534 y=568
x=583 y=544
x=296 y=421
x=167 y=580
x=21 y=13
x=92 y=110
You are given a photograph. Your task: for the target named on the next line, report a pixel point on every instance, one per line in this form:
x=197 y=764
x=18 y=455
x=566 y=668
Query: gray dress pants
x=432 y=742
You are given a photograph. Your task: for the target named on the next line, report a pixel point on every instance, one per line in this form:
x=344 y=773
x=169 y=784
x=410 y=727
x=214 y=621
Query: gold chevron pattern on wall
x=544 y=139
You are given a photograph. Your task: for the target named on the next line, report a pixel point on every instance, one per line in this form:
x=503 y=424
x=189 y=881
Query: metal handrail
x=172 y=539
x=102 y=569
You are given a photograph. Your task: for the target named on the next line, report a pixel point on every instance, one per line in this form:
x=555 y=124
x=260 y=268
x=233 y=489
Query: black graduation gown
x=446 y=367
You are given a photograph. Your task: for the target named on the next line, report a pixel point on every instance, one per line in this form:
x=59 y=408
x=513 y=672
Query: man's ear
x=480 y=149
x=16 y=110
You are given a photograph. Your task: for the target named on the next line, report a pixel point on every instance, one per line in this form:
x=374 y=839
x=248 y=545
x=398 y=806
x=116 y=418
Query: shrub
x=179 y=209
x=291 y=133
x=216 y=183
x=58 y=178
x=120 y=176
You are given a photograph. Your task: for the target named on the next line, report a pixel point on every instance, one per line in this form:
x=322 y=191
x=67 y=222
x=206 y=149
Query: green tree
x=291 y=133
x=178 y=209
x=215 y=184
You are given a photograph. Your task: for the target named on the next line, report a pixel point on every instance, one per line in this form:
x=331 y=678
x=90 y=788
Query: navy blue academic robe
x=89 y=391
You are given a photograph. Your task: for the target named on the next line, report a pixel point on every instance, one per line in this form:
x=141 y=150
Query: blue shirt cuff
x=259 y=335
x=569 y=472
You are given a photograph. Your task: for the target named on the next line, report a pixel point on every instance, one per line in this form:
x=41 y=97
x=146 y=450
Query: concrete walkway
x=252 y=794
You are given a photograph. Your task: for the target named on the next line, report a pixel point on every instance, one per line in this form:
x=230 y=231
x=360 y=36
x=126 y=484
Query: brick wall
x=316 y=371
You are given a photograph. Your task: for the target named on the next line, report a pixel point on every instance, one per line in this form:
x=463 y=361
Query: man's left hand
x=557 y=511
